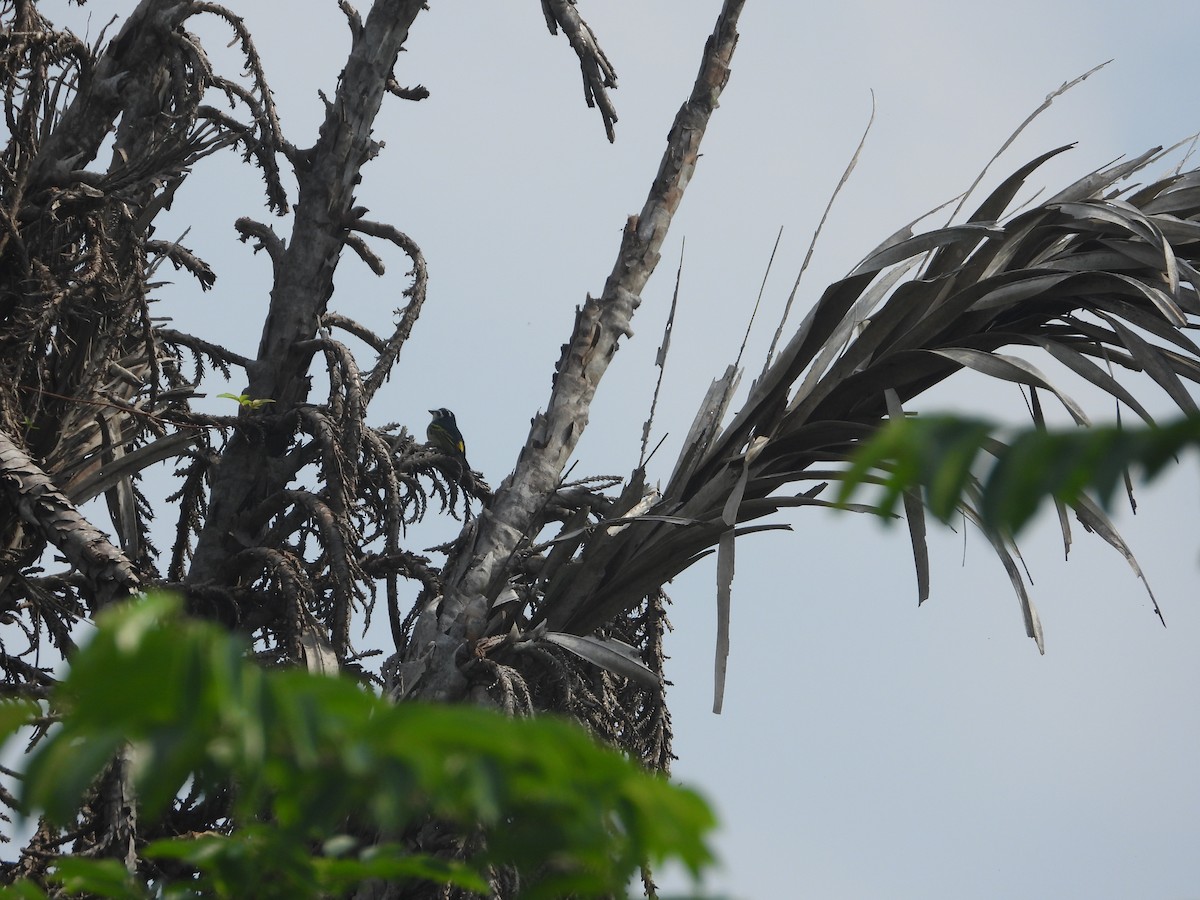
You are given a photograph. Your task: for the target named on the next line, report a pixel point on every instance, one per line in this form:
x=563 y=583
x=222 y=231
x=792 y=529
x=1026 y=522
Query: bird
x=443 y=434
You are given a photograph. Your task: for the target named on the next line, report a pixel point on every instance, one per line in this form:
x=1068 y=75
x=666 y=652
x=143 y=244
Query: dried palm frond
x=1094 y=277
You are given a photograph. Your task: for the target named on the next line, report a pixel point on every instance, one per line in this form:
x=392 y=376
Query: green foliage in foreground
x=938 y=455
x=314 y=761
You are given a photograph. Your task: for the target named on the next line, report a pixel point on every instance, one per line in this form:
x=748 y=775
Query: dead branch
x=598 y=73
x=478 y=572
x=43 y=507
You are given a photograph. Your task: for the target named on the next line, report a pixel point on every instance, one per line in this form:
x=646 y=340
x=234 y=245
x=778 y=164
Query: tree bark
x=327 y=174
x=42 y=506
x=477 y=575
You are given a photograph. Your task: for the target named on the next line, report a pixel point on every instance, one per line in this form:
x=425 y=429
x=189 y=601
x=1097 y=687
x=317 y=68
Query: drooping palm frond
x=1095 y=277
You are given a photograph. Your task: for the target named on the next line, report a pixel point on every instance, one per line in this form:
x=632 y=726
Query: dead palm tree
x=551 y=599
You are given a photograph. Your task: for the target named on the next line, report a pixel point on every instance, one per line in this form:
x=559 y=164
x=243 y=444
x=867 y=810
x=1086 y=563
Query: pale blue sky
x=868 y=749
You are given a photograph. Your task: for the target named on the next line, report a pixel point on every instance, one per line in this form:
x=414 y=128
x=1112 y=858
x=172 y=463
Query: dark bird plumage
x=443 y=434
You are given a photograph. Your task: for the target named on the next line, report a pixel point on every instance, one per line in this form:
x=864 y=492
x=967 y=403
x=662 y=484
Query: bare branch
x=183 y=258
x=598 y=73
x=304 y=274
x=390 y=352
x=478 y=571
x=359 y=246
x=265 y=236
x=420 y=92
x=41 y=505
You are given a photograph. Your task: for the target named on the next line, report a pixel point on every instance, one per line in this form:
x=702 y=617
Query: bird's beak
x=433 y=412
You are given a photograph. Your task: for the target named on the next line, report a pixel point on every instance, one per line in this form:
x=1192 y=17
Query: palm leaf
x=1094 y=278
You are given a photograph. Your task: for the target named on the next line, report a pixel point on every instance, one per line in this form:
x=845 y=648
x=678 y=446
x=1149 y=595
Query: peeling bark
x=47 y=511
x=478 y=573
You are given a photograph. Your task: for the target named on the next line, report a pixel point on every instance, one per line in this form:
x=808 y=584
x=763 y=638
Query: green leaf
x=99 y=877
x=22 y=890
x=309 y=754
x=245 y=400
x=394 y=863
x=938 y=454
x=63 y=770
x=15 y=714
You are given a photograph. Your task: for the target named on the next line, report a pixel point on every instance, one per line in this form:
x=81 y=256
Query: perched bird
x=443 y=433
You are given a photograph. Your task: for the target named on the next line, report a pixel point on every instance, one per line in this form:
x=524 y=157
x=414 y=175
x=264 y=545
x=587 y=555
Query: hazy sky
x=868 y=749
